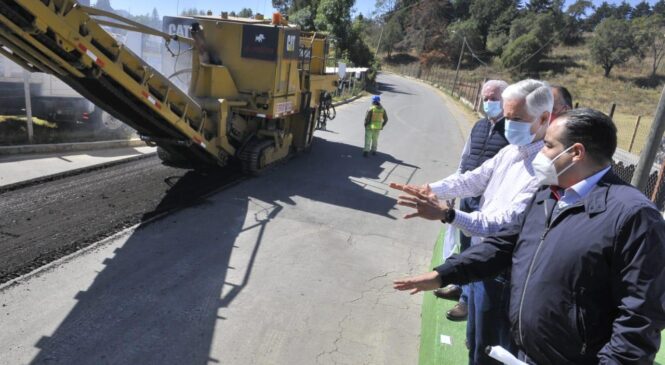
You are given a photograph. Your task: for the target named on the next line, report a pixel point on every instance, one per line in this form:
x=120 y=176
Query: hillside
x=571 y=66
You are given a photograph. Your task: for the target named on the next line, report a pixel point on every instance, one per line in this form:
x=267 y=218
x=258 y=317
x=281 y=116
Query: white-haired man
x=506 y=184
x=485 y=141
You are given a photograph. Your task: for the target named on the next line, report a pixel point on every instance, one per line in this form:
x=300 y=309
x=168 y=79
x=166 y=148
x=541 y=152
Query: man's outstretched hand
x=421 y=198
x=416 y=284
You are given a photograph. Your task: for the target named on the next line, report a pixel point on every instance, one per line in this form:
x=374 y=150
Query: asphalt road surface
x=293 y=267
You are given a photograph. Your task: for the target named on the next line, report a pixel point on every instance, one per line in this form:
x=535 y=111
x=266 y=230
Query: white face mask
x=544 y=168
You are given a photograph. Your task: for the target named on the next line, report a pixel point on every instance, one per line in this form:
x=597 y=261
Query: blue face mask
x=518 y=133
x=492 y=108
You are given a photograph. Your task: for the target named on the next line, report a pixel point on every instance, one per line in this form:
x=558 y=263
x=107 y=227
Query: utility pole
x=28 y=105
x=380 y=35
x=648 y=155
x=459 y=63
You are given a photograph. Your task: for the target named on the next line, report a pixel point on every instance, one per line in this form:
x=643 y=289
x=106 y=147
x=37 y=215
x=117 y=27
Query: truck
x=52 y=99
x=254 y=85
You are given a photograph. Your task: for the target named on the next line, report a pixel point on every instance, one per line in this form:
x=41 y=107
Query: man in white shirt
x=506 y=183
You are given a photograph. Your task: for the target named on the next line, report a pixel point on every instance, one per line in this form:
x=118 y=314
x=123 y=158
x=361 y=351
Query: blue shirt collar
x=582 y=188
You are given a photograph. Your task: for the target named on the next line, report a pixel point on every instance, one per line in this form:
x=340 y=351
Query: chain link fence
x=632 y=130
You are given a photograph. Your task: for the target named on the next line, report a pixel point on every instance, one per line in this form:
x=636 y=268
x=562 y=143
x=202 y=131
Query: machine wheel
x=111 y=127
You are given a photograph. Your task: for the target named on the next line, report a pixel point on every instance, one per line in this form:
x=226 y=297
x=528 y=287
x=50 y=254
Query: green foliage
x=612 y=44
x=497 y=42
x=392 y=35
x=605 y=11
x=459 y=31
x=502 y=24
x=641 y=10
x=462 y=9
x=304 y=18
x=574 y=22
x=530 y=41
x=245 y=13
x=543 y=6
x=515 y=55
x=659 y=7
x=358 y=51
x=486 y=12
x=650 y=38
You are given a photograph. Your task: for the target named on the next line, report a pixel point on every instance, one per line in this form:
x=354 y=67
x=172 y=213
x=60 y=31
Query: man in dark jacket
x=587 y=275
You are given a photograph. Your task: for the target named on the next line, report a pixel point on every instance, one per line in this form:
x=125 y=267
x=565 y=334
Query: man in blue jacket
x=586 y=256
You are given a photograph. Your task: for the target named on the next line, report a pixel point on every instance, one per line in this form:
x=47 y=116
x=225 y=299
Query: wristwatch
x=449 y=216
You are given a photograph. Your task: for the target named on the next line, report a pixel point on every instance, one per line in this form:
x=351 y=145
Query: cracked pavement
x=292 y=267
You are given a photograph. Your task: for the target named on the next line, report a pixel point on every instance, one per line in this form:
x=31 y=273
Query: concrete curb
x=68 y=147
x=346 y=101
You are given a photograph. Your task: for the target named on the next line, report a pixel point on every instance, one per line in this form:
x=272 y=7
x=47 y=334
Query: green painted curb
x=434 y=324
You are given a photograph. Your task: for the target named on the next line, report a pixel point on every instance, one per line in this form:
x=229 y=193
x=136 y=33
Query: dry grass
x=626 y=87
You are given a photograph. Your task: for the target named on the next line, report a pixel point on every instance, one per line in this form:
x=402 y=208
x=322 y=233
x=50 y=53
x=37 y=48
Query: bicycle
x=326 y=111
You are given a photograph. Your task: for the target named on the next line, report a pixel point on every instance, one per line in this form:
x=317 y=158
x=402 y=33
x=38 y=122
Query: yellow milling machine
x=255 y=91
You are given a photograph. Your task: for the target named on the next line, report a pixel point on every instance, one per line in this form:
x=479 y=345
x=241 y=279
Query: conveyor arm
x=61 y=37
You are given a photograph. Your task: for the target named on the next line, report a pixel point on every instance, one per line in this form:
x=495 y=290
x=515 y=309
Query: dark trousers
x=522 y=357
x=466 y=205
x=488 y=323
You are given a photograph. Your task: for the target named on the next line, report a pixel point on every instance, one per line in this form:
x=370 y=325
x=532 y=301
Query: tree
x=462 y=9
x=463 y=32
x=601 y=13
x=485 y=13
x=540 y=6
x=392 y=35
x=358 y=52
x=304 y=17
x=334 y=16
x=612 y=44
x=650 y=37
x=641 y=10
x=573 y=23
x=531 y=39
x=659 y=7
x=623 y=11
x=516 y=54
x=245 y=13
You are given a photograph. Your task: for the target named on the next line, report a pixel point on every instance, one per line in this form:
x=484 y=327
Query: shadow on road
x=157 y=300
x=382 y=87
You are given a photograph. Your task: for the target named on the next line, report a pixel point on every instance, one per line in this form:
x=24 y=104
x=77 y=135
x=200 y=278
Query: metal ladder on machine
x=62 y=38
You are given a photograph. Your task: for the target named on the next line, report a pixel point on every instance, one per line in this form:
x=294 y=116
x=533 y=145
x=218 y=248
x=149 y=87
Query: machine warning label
x=291 y=43
x=259 y=42
x=281 y=108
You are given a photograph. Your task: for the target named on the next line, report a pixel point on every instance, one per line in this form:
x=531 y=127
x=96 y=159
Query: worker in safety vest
x=375 y=120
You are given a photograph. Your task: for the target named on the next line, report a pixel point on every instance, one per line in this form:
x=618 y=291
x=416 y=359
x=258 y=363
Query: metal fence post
x=614 y=105
x=637 y=126
x=659 y=180
x=650 y=150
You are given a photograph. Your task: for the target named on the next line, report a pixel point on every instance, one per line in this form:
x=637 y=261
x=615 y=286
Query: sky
x=173 y=7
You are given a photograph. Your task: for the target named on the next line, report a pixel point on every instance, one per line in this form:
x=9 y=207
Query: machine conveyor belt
x=60 y=37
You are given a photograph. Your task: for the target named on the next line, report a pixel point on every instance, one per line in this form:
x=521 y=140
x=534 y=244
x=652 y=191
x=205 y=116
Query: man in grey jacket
x=586 y=256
